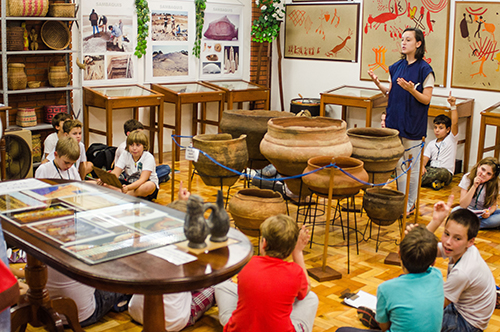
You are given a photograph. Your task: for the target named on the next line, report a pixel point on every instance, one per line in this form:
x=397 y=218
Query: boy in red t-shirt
x=272 y=294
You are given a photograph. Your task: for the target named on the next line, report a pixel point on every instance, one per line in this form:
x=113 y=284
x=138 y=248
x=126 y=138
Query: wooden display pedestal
x=324 y=274
x=392 y=259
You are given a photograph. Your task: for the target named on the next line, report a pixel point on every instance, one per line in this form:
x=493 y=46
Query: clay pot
x=250 y=207
x=290 y=142
x=379 y=148
x=16 y=77
x=342 y=183
x=225 y=150
x=383 y=206
x=254 y=125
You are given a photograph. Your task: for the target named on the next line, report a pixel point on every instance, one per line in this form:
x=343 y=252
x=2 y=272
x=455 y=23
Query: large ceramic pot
x=254 y=125
x=250 y=207
x=383 y=206
x=225 y=150
x=342 y=183
x=291 y=142
x=379 y=148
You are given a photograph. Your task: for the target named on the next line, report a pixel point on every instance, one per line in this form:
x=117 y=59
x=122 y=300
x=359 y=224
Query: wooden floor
x=367 y=269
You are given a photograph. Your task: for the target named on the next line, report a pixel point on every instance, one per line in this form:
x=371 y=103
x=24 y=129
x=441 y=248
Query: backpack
x=163 y=171
x=101 y=155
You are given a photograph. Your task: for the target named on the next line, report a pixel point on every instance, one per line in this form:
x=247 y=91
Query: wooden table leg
x=159 y=127
x=154 y=319
x=368 y=122
x=344 y=113
x=497 y=143
x=480 y=147
x=109 y=125
x=194 y=121
x=468 y=137
x=3 y=155
x=322 y=107
x=152 y=129
x=86 y=122
x=40 y=310
x=203 y=117
x=178 y=125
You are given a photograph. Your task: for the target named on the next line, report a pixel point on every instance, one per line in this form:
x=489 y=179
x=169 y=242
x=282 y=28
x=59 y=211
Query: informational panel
x=109 y=30
x=221 y=43
x=171 y=38
x=325 y=32
x=476 y=56
x=383 y=24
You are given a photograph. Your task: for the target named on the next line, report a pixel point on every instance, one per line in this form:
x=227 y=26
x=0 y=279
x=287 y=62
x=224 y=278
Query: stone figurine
x=195 y=226
x=218 y=222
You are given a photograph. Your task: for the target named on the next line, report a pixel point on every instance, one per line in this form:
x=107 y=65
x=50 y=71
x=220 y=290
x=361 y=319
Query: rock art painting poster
x=109 y=31
x=476 y=53
x=171 y=39
x=383 y=24
x=221 y=42
x=324 y=32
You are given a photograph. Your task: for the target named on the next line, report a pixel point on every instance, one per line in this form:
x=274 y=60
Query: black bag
x=101 y=155
x=163 y=171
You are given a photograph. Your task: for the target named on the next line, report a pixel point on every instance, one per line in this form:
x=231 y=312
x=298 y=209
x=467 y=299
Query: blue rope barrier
x=298 y=176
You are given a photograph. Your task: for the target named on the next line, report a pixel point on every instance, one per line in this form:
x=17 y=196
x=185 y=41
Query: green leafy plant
x=267 y=27
x=200 y=20
x=142 y=9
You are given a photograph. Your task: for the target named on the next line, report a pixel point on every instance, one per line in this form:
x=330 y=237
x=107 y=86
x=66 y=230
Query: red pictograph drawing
x=335 y=16
x=308 y=24
x=375 y=22
x=433 y=7
x=323 y=16
x=379 y=59
x=297 y=17
x=340 y=46
x=483 y=49
x=497 y=57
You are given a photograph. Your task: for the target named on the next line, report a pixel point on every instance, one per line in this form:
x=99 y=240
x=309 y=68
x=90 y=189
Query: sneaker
x=412 y=210
x=437 y=185
x=269 y=171
x=367 y=318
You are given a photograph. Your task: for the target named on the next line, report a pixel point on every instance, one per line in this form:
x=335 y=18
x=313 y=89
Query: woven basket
x=15 y=38
x=34 y=84
x=26 y=117
x=55 y=34
x=27 y=7
x=36 y=143
x=62 y=10
x=16 y=77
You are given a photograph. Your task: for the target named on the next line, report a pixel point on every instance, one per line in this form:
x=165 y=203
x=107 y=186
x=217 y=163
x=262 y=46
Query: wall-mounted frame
x=322 y=32
x=476 y=56
x=383 y=24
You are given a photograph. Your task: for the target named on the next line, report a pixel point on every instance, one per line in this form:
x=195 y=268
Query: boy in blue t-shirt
x=413 y=302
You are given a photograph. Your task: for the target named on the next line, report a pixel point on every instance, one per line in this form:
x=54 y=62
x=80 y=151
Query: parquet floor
x=367 y=270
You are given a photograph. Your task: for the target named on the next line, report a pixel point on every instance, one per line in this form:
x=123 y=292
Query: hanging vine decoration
x=267 y=27
x=142 y=9
x=200 y=20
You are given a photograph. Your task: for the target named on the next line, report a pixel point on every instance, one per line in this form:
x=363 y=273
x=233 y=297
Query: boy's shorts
x=149 y=197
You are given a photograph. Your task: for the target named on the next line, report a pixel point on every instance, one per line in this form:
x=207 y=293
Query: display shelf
x=39 y=18
x=40 y=52
x=38 y=90
x=40 y=126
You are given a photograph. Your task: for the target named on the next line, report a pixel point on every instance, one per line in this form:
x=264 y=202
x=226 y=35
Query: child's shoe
x=437 y=185
x=367 y=318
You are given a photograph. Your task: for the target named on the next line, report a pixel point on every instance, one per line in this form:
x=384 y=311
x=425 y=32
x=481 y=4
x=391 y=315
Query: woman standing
x=410 y=91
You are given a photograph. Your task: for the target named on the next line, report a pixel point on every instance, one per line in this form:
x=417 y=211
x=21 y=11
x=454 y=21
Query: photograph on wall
x=109 y=31
x=476 y=54
x=170 y=43
x=221 y=42
x=383 y=24
x=322 y=32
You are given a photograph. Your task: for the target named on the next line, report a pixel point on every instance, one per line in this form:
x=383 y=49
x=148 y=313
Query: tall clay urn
x=226 y=150
x=379 y=148
x=250 y=207
x=290 y=142
x=342 y=183
x=254 y=125
x=383 y=206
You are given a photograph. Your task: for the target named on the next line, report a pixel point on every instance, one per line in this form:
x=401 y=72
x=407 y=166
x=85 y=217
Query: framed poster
x=170 y=44
x=476 y=54
x=383 y=24
x=221 y=42
x=324 y=32
x=109 y=30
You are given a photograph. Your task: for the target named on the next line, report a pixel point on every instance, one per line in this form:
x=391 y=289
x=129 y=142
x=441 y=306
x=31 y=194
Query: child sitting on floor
x=442 y=150
x=271 y=294
x=50 y=142
x=63 y=165
x=412 y=302
x=469 y=290
x=479 y=192
x=138 y=166
x=128 y=127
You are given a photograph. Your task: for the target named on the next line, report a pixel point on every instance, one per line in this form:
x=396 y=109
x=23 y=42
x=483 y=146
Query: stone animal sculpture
x=221 y=29
x=195 y=226
x=218 y=221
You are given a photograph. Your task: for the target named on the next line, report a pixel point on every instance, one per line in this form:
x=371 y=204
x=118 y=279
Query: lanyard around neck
x=57 y=169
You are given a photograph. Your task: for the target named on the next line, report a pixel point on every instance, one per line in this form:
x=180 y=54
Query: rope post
x=172 y=194
x=417 y=204
x=190 y=178
x=326 y=273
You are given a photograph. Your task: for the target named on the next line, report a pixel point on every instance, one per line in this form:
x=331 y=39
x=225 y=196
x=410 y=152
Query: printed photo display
x=109 y=32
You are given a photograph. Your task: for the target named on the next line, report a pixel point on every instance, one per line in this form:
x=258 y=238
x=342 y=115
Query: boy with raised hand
x=62 y=166
x=469 y=290
x=412 y=302
x=442 y=150
x=271 y=294
x=50 y=142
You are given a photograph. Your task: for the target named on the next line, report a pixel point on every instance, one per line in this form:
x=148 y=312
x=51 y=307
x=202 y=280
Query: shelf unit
x=5 y=92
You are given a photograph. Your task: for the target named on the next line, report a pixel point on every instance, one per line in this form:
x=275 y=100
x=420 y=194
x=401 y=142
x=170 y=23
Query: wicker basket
x=34 y=84
x=36 y=143
x=62 y=10
x=16 y=77
x=27 y=7
x=55 y=34
x=15 y=38
x=26 y=117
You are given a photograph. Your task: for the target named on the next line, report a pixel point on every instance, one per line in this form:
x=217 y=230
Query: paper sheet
x=171 y=254
x=20 y=185
x=364 y=299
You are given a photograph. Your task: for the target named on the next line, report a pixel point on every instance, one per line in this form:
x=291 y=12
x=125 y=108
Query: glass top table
x=120 y=97
x=489 y=117
x=239 y=91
